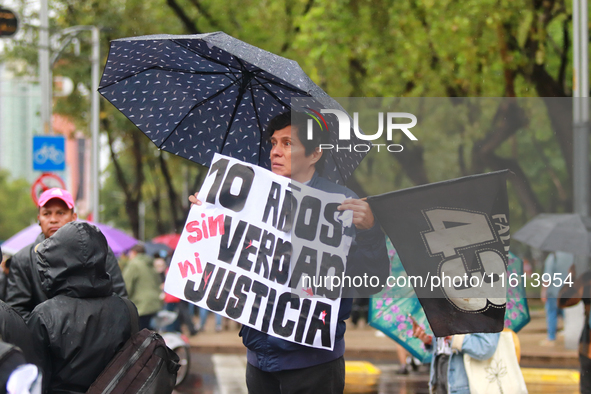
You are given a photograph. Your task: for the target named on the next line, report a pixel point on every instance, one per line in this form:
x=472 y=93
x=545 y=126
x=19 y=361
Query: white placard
x=239 y=257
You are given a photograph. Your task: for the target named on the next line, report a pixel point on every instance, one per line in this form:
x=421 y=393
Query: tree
x=378 y=48
x=18 y=210
x=455 y=49
x=142 y=175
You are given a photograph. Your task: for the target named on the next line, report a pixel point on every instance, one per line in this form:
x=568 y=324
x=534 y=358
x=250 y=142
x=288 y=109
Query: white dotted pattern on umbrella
x=197 y=95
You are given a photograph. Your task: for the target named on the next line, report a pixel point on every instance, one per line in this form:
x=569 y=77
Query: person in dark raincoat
x=83 y=323
x=14 y=330
x=24 y=291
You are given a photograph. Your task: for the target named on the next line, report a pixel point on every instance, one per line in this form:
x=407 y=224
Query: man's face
x=288 y=156
x=53 y=215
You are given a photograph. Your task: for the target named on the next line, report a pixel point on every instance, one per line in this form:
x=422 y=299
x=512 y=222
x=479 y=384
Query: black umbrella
x=153 y=248
x=565 y=232
x=195 y=95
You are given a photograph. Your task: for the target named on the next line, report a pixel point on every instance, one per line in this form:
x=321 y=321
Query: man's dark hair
x=138 y=248
x=299 y=122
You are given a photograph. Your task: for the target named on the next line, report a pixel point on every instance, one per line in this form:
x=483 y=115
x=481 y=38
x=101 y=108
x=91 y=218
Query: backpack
x=145 y=365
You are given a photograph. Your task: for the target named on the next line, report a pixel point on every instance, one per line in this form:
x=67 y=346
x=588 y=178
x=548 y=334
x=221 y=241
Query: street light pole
x=574 y=317
x=68 y=35
x=45 y=69
x=94 y=126
x=580 y=108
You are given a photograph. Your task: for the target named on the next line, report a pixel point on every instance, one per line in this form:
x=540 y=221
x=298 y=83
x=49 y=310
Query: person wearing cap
x=24 y=291
x=82 y=324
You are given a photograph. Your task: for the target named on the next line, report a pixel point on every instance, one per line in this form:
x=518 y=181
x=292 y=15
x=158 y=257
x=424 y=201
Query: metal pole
x=584 y=43
x=44 y=69
x=574 y=317
x=142 y=224
x=576 y=61
x=581 y=137
x=580 y=108
x=94 y=120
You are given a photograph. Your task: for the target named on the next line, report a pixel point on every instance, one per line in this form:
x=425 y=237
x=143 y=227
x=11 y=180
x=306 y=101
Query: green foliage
x=18 y=210
x=360 y=48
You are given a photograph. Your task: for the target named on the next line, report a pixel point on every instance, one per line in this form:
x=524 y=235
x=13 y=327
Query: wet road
x=224 y=374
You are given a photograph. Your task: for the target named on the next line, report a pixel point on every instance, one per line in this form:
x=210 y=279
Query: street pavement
x=363 y=343
x=219 y=361
x=224 y=374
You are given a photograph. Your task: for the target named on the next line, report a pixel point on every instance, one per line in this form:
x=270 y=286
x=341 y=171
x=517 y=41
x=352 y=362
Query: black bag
x=145 y=365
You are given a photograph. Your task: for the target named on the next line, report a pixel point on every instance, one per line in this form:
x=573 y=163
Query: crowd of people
x=63 y=304
x=61 y=301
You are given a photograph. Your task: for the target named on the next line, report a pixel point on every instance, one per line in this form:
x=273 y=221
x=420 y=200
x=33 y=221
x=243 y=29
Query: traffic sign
x=45 y=182
x=8 y=23
x=49 y=153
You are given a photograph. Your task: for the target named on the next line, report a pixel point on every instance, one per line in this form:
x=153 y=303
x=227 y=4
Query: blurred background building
x=20 y=121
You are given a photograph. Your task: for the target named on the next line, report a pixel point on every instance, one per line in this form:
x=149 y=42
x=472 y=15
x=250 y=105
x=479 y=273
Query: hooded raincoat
x=83 y=323
x=24 y=291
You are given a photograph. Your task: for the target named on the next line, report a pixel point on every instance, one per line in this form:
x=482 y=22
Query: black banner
x=454 y=237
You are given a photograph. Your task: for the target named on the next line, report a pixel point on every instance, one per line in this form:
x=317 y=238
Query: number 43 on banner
x=454 y=233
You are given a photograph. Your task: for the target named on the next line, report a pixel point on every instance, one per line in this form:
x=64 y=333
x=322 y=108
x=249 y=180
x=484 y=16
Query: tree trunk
x=509 y=118
x=133 y=194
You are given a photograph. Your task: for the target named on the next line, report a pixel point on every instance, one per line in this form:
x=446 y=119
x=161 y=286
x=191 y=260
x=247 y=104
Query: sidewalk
x=362 y=343
x=535 y=355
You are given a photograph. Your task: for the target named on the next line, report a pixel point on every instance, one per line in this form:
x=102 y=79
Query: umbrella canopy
x=565 y=232
x=389 y=310
x=194 y=95
x=117 y=239
x=517 y=311
x=153 y=248
x=170 y=240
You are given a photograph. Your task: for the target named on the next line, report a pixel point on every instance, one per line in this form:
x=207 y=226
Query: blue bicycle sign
x=49 y=153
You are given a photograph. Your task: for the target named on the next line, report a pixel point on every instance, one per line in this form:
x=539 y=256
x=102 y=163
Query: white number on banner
x=455 y=229
x=471 y=290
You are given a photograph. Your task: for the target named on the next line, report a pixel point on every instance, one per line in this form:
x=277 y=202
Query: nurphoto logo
x=344 y=134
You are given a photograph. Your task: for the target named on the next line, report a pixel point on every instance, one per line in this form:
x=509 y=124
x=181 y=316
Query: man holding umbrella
x=24 y=291
x=278 y=366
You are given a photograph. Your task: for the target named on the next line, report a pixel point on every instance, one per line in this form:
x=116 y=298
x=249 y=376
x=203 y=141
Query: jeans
x=203 y=313
x=551 y=307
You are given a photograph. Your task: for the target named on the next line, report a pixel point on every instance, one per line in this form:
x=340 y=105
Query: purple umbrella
x=117 y=239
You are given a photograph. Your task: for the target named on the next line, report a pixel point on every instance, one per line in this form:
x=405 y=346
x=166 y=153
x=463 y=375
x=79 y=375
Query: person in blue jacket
x=278 y=366
x=448 y=374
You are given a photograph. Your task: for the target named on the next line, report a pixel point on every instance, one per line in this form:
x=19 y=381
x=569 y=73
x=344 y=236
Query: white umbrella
x=569 y=233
